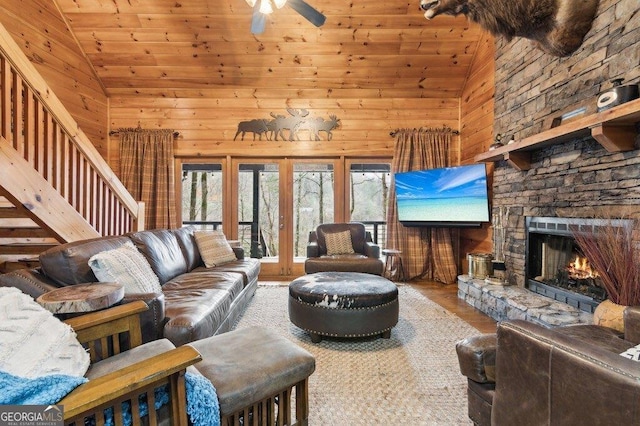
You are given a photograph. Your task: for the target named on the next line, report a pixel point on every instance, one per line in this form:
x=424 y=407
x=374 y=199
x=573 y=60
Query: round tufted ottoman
x=343 y=304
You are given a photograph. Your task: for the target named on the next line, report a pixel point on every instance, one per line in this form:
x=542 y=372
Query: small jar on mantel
x=610 y=314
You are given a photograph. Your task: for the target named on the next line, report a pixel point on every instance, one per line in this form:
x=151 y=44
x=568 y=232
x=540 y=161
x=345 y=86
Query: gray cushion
x=126 y=358
x=250 y=364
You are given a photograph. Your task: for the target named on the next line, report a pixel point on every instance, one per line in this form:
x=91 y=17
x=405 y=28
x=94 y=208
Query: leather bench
x=343 y=304
x=254 y=371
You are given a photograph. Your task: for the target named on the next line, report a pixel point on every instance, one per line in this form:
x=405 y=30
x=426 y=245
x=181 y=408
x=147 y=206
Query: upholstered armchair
x=526 y=374
x=342 y=247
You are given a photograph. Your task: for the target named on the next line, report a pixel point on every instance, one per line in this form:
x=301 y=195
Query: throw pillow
x=339 y=243
x=127 y=266
x=214 y=248
x=34 y=343
x=632 y=353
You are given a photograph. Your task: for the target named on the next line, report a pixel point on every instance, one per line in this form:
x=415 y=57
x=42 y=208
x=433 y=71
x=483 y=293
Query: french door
x=277 y=202
x=271 y=204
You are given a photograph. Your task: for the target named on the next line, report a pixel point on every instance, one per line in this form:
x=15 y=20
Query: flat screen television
x=450 y=196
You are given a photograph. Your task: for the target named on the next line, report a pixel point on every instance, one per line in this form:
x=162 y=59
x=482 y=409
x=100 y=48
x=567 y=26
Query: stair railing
x=43 y=132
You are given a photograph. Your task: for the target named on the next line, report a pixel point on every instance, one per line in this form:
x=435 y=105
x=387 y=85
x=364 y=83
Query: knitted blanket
x=202 y=401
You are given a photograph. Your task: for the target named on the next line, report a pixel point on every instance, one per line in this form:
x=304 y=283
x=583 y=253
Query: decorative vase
x=609 y=314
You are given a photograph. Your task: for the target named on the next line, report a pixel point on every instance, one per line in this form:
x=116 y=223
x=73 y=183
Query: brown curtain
x=146 y=170
x=426 y=252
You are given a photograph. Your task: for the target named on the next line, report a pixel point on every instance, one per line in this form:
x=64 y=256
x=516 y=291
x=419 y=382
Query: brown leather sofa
x=366 y=258
x=196 y=302
x=526 y=374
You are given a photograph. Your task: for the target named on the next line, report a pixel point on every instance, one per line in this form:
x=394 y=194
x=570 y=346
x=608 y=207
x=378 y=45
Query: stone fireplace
x=572 y=178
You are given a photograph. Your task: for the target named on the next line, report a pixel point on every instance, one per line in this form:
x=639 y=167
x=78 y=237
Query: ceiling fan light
x=251 y=2
x=265 y=7
x=280 y=3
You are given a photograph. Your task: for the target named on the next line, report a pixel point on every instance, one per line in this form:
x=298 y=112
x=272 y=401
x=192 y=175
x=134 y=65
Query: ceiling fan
x=261 y=8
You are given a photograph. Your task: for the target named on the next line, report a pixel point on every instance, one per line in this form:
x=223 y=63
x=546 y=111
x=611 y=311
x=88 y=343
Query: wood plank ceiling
x=178 y=47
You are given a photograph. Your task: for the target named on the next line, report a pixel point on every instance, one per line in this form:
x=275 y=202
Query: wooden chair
x=105 y=333
x=114 y=331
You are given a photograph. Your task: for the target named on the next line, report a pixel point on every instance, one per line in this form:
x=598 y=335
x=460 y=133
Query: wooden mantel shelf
x=614 y=129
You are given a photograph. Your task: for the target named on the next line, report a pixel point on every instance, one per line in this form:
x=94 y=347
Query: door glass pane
x=313 y=185
x=258 y=209
x=369 y=193
x=202 y=195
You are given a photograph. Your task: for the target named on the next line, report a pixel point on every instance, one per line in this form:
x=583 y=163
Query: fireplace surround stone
x=512 y=302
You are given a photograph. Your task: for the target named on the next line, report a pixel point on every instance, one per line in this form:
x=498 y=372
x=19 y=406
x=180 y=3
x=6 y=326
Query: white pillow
x=339 y=243
x=214 y=248
x=34 y=343
x=127 y=266
x=632 y=353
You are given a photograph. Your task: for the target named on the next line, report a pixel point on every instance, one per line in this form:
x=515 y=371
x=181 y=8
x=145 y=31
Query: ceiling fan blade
x=307 y=12
x=258 y=20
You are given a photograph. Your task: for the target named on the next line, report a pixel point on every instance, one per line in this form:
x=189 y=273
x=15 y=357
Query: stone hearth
x=512 y=302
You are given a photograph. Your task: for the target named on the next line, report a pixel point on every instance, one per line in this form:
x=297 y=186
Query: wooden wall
x=476 y=134
x=38 y=27
x=208 y=123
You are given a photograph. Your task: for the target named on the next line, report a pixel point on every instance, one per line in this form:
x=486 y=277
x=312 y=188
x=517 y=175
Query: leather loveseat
x=196 y=302
x=365 y=257
x=526 y=374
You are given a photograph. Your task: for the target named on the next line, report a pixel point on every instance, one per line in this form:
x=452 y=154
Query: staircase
x=55 y=187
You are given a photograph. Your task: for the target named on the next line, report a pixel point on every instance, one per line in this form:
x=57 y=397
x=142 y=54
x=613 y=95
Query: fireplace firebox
x=555 y=266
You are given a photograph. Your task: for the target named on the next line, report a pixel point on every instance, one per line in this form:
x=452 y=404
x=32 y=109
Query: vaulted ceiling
x=162 y=46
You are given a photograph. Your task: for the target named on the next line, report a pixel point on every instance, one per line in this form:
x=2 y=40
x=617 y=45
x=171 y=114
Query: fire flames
x=580 y=269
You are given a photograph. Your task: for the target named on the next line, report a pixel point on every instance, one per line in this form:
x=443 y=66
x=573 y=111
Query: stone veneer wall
x=576 y=178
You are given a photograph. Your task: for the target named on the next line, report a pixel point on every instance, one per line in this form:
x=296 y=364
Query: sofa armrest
x=477 y=357
x=546 y=362
x=28 y=281
x=632 y=324
x=153 y=320
x=131 y=381
x=372 y=250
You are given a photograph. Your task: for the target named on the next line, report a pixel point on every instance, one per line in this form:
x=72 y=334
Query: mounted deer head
x=557 y=26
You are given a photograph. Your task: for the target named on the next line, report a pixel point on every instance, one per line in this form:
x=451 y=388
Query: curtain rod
x=455 y=132
x=117 y=132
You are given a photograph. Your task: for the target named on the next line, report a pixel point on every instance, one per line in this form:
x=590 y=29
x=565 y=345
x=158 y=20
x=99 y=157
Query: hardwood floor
x=447 y=297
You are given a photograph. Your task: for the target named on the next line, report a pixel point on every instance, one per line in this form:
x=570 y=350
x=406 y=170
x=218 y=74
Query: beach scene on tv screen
x=452 y=194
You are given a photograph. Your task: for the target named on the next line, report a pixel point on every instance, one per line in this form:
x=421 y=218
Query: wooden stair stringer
x=32 y=195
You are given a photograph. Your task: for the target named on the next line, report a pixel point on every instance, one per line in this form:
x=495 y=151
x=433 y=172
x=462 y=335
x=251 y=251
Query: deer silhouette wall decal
x=558 y=27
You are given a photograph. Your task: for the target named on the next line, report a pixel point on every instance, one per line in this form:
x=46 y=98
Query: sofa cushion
x=189 y=247
x=197 y=304
x=161 y=248
x=339 y=243
x=127 y=266
x=249 y=268
x=68 y=264
x=34 y=343
x=214 y=248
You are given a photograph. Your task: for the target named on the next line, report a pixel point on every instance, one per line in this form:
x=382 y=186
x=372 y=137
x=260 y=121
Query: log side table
x=81 y=298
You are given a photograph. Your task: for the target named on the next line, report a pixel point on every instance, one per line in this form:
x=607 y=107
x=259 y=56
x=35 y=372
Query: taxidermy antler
x=557 y=26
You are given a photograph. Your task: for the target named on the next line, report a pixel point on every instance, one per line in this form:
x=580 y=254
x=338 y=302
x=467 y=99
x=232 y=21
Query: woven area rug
x=410 y=379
